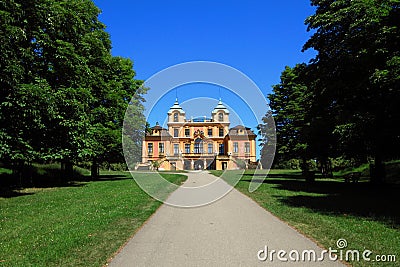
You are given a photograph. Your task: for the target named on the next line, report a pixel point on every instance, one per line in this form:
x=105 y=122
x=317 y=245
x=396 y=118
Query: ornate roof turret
x=176 y=107
x=219 y=107
x=157 y=131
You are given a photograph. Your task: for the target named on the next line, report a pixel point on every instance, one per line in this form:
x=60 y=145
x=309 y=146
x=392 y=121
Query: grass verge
x=82 y=224
x=327 y=210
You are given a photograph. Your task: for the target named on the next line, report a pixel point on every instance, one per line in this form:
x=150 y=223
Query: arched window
x=220 y=116
x=198 y=146
x=175 y=117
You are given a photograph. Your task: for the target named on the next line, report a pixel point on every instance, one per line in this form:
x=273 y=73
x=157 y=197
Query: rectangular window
x=161 y=148
x=221 y=132
x=247 y=147
x=187 y=132
x=187 y=148
x=150 y=148
x=210 y=148
x=176 y=132
x=176 y=149
x=198 y=147
x=221 y=149
x=210 y=132
x=235 y=147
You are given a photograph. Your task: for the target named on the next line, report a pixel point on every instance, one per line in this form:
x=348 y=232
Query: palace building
x=200 y=143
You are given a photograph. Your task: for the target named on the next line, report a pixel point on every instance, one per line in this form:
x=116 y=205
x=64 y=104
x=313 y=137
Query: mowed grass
x=367 y=216
x=83 y=224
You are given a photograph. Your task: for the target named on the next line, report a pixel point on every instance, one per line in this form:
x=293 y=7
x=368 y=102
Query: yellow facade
x=200 y=143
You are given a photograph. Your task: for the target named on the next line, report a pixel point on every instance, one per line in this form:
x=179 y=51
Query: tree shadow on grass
x=375 y=202
x=12 y=185
x=111 y=177
x=286 y=176
x=6 y=192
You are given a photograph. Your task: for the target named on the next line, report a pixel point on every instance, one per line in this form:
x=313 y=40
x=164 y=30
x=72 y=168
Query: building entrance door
x=224 y=165
x=210 y=165
x=199 y=165
x=187 y=165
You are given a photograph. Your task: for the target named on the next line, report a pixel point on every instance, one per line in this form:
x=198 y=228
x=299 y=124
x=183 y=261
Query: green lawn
x=82 y=224
x=367 y=216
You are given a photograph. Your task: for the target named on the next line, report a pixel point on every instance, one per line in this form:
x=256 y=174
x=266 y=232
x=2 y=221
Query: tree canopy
x=348 y=96
x=63 y=95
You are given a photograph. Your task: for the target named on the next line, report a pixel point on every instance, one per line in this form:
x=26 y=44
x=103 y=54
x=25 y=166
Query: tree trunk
x=326 y=167
x=29 y=173
x=94 y=170
x=377 y=170
x=304 y=166
x=62 y=173
x=18 y=170
x=67 y=170
x=307 y=174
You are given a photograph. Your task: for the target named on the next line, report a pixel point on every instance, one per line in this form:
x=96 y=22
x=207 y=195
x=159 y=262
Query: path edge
x=138 y=229
x=281 y=220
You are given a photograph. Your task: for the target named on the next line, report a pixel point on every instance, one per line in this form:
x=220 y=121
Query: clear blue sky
x=259 y=38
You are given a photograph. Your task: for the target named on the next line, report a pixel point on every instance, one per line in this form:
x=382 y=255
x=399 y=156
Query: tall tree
x=300 y=132
x=60 y=85
x=267 y=133
x=358 y=68
x=118 y=89
x=289 y=102
x=304 y=127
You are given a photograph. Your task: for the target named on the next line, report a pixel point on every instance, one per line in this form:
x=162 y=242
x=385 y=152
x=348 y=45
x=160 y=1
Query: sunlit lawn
x=367 y=216
x=79 y=225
